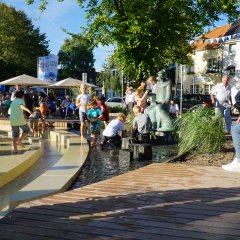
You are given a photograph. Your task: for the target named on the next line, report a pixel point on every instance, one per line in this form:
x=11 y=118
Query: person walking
x=221 y=99
x=18 y=121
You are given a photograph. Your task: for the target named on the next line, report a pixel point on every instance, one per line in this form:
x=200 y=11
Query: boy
x=81 y=103
x=33 y=120
x=17 y=120
x=142 y=126
x=110 y=133
x=43 y=110
x=94 y=114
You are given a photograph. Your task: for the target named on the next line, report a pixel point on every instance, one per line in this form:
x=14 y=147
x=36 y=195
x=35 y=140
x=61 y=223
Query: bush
x=200 y=131
x=117 y=110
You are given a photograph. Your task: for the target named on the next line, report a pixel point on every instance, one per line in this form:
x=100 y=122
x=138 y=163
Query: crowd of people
x=92 y=112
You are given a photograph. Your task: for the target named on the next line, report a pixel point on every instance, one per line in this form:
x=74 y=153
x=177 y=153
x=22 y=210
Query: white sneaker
x=233 y=166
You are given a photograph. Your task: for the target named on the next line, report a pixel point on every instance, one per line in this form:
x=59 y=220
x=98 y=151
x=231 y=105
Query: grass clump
x=200 y=131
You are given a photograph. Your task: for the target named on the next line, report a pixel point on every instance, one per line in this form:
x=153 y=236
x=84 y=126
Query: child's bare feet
x=21 y=144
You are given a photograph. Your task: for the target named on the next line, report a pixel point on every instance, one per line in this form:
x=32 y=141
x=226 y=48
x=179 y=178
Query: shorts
x=16 y=130
x=82 y=116
x=95 y=128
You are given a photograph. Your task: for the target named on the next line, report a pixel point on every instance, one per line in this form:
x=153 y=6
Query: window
x=114 y=72
x=194 y=88
x=214 y=65
x=207 y=89
x=232 y=49
x=190 y=69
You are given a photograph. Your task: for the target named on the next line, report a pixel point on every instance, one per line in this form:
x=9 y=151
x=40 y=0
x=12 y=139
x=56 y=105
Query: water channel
x=100 y=165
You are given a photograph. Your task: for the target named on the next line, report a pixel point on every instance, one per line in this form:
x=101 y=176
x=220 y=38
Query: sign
x=48 y=68
x=84 y=77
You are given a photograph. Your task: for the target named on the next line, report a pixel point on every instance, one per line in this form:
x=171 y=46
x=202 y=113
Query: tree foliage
x=109 y=80
x=151 y=34
x=20 y=43
x=75 y=57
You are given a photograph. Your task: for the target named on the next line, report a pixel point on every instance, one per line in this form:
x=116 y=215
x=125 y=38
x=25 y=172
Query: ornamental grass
x=200 y=131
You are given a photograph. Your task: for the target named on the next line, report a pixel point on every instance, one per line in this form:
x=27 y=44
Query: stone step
x=58 y=177
x=11 y=166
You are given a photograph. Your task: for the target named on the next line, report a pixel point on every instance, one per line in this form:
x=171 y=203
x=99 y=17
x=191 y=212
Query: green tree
x=151 y=34
x=20 y=43
x=75 y=57
x=109 y=80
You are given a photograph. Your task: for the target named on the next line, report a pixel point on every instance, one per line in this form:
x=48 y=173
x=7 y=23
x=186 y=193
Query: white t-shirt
x=174 y=108
x=113 y=127
x=83 y=99
x=222 y=93
x=130 y=98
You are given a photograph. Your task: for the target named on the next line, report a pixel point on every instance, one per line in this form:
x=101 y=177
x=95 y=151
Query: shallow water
x=102 y=165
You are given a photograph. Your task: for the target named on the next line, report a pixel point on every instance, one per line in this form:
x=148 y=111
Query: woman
x=141 y=99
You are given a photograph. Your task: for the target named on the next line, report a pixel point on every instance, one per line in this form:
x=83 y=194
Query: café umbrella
x=25 y=80
x=70 y=82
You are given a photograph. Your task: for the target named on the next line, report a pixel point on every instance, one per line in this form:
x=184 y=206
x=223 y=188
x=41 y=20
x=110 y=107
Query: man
x=153 y=81
x=174 y=109
x=221 y=99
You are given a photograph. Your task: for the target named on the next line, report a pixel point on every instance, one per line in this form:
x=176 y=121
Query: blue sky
x=66 y=15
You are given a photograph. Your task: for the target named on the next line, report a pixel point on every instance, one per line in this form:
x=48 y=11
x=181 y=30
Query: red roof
x=215 y=33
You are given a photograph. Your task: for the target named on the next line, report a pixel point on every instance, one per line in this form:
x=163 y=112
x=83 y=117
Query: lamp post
x=181 y=87
x=122 y=82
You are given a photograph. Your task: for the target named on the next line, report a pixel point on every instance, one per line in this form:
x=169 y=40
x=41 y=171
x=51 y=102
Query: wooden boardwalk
x=159 y=201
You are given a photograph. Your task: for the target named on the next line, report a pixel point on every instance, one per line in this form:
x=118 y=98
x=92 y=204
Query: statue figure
x=158 y=111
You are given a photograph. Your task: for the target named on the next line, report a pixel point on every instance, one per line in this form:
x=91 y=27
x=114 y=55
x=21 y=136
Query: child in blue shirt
x=94 y=114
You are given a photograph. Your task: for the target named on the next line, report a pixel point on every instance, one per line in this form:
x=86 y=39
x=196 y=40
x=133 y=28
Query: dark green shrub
x=117 y=110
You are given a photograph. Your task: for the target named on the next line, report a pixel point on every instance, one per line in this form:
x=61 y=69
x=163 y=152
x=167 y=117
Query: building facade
x=207 y=67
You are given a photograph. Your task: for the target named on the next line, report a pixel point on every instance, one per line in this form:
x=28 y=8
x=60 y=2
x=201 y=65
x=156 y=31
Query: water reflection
x=105 y=164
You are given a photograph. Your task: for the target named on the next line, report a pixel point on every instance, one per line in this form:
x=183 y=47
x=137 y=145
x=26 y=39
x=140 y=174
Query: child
x=81 y=103
x=110 y=133
x=33 y=120
x=142 y=126
x=17 y=120
x=94 y=114
x=103 y=108
x=44 y=110
x=73 y=107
